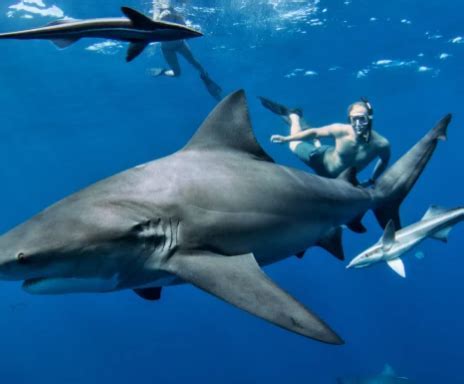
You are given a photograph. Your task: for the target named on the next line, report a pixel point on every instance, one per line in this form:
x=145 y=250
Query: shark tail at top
x=394 y=185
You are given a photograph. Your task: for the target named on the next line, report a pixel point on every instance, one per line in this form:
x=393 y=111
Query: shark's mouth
x=61 y=285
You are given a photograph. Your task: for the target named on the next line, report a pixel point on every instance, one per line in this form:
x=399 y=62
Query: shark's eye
x=21 y=257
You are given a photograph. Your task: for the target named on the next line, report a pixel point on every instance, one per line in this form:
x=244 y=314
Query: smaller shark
x=137 y=29
x=436 y=223
x=387 y=376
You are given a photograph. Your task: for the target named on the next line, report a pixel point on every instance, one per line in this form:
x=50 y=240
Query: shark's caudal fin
x=228 y=129
x=240 y=281
x=394 y=185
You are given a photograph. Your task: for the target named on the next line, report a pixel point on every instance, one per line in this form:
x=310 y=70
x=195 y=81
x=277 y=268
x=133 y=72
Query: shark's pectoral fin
x=64 y=43
x=398 y=266
x=134 y=50
x=332 y=243
x=240 y=281
x=150 y=294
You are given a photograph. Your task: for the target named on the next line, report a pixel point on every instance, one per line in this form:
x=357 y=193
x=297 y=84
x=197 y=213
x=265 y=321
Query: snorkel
x=362 y=124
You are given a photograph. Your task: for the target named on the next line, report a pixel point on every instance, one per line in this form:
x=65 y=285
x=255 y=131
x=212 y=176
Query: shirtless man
x=164 y=10
x=356 y=144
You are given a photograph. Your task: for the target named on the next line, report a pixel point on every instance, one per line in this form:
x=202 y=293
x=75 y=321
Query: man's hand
x=278 y=139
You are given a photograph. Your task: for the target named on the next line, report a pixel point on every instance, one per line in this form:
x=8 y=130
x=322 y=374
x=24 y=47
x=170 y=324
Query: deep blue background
x=69 y=118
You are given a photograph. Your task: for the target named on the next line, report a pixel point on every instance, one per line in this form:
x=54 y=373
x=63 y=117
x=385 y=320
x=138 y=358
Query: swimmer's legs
x=213 y=88
x=170 y=56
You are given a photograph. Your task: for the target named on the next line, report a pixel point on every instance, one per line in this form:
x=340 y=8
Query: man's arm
x=333 y=130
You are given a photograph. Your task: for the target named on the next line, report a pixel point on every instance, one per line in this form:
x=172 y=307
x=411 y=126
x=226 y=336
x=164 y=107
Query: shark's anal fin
x=228 y=129
x=349 y=175
x=135 y=49
x=139 y=19
x=442 y=235
x=240 y=281
x=398 y=266
x=150 y=294
x=332 y=243
x=64 y=43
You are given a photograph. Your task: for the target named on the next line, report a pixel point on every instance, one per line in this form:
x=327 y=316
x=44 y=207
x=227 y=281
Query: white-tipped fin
x=398 y=266
x=388 y=238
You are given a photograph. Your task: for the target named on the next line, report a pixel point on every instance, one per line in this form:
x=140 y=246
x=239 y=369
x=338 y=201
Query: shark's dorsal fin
x=228 y=128
x=388 y=371
x=433 y=211
x=388 y=238
x=138 y=18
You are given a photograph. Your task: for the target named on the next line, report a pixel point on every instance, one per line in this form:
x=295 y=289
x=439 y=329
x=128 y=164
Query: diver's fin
x=151 y=294
x=356 y=225
x=398 y=266
x=135 y=49
x=433 y=211
x=279 y=109
x=332 y=243
x=388 y=238
x=240 y=281
x=395 y=183
x=64 y=43
x=228 y=129
x=388 y=371
x=139 y=19
x=155 y=72
x=214 y=89
x=349 y=175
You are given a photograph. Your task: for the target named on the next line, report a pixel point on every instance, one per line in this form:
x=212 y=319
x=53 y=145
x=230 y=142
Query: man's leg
x=170 y=55
x=297 y=124
x=214 y=89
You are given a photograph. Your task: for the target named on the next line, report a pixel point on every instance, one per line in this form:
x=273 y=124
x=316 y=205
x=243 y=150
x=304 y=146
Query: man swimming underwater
x=356 y=144
x=164 y=11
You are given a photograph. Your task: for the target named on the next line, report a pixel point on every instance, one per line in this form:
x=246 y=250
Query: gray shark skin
x=137 y=29
x=210 y=215
x=436 y=223
x=387 y=376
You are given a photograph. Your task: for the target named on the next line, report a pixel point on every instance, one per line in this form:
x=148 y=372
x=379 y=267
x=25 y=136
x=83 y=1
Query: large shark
x=210 y=215
x=436 y=224
x=387 y=376
x=137 y=29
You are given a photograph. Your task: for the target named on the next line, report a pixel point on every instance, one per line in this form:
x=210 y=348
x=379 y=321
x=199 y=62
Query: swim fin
x=279 y=109
x=155 y=72
x=214 y=89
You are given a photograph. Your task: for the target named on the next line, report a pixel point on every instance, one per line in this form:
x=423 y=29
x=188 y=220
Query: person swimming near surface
x=356 y=143
x=164 y=11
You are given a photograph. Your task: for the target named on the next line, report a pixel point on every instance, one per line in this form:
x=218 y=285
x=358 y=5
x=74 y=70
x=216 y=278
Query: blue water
x=69 y=118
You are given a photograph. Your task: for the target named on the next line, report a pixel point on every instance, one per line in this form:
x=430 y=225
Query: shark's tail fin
x=394 y=185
